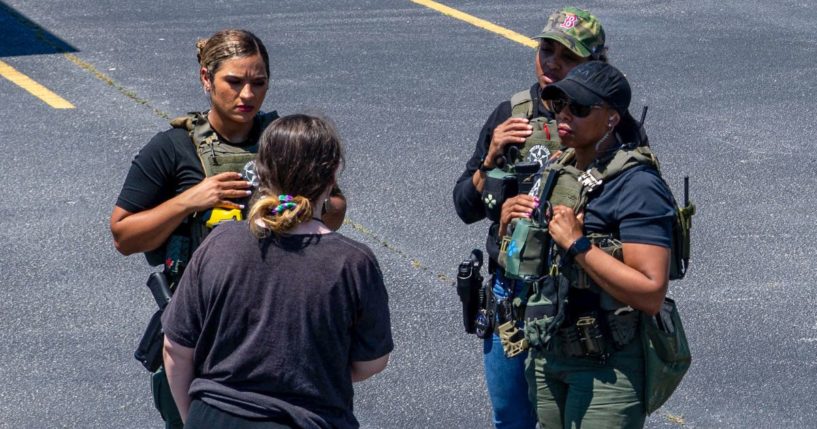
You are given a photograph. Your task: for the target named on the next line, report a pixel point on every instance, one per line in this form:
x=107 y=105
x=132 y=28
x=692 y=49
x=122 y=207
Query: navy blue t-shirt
x=637 y=206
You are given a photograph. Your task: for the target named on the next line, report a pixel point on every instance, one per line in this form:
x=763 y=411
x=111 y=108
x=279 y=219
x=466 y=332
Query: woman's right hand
x=513 y=130
x=216 y=191
x=516 y=207
x=147 y=230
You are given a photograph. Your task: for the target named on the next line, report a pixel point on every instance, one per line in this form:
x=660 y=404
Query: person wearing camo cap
x=571 y=37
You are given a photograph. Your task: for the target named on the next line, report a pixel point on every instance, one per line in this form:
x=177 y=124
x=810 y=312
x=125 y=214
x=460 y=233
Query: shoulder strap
x=622 y=160
x=522 y=104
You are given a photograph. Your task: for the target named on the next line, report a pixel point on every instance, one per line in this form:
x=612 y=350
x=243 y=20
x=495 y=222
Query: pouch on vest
x=524 y=256
x=499 y=186
x=545 y=310
x=666 y=354
x=679 y=260
x=543 y=142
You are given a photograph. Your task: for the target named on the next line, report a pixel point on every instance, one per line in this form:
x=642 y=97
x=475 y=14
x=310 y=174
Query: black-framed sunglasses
x=578 y=110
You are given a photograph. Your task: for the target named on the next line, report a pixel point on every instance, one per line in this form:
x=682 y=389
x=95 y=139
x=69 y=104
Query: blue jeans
x=505 y=377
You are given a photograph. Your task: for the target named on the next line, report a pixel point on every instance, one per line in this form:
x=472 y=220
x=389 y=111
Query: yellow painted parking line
x=33 y=87
x=481 y=23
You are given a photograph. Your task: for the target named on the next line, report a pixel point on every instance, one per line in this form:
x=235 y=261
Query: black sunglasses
x=578 y=110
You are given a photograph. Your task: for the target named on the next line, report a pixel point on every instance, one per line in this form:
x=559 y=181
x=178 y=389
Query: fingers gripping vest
x=216 y=157
x=520 y=162
x=544 y=141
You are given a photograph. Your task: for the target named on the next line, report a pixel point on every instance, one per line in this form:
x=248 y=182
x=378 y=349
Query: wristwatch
x=581 y=245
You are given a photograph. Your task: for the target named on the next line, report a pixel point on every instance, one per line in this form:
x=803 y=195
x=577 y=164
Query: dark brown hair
x=298 y=155
x=227 y=44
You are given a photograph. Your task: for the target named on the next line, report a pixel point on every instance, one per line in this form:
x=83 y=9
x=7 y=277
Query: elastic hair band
x=286 y=204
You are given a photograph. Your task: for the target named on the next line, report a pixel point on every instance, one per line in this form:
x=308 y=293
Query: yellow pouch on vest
x=218 y=215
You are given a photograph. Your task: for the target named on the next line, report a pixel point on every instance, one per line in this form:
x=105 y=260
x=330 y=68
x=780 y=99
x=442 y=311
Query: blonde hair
x=298 y=157
x=227 y=44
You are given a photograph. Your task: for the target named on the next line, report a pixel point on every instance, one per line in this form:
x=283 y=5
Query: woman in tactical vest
x=185 y=178
x=571 y=36
x=609 y=215
x=276 y=317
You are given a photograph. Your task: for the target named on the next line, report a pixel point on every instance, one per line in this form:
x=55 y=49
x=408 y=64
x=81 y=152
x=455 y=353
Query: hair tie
x=285 y=204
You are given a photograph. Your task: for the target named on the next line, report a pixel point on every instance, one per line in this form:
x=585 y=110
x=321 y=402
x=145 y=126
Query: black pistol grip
x=159 y=288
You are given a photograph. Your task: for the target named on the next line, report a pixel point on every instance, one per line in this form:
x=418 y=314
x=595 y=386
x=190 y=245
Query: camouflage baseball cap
x=575 y=28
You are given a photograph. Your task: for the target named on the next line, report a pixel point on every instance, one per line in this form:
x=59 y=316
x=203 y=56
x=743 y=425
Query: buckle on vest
x=589 y=181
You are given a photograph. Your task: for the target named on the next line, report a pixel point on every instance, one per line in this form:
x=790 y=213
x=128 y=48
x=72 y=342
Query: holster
x=149 y=351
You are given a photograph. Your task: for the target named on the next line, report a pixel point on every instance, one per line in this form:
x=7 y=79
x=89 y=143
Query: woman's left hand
x=565 y=226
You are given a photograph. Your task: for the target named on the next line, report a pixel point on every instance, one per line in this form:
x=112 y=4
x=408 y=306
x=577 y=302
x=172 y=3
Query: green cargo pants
x=163 y=400
x=573 y=393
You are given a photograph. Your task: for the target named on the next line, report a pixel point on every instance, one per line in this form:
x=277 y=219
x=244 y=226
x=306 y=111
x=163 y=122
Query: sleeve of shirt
x=371 y=333
x=646 y=209
x=182 y=320
x=467 y=201
x=150 y=178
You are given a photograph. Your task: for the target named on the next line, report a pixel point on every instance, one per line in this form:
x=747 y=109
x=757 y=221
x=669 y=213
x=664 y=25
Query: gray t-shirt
x=275 y=323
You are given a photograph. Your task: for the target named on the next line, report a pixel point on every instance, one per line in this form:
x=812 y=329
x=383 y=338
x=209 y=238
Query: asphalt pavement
x=729 y=86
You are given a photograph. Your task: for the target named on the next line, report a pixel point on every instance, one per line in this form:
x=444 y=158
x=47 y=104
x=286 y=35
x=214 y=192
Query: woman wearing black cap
x=610 y=258
x=571 y=36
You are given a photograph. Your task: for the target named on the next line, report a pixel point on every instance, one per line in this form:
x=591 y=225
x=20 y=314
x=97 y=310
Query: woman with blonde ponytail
x=276 y=317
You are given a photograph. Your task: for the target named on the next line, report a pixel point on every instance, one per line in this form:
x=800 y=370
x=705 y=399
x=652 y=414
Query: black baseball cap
x=592 y=83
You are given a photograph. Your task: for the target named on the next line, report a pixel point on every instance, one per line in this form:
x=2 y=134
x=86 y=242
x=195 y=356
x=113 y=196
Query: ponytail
x=278 y=214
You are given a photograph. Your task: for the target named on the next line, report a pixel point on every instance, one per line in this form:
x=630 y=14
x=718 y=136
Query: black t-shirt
x=167 y=166
x=164 y=168
x=275 y=323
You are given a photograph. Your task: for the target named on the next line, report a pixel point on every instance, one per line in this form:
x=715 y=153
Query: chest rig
x=516 y=168
x=216 y=156
x=551 y=279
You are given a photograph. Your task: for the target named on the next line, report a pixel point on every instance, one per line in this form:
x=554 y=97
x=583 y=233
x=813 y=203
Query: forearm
x=468 y=201
x=178 y=363
x=146 y=230
x=622 y=282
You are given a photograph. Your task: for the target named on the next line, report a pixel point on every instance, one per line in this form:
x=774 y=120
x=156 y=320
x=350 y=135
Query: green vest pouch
x=667 y=356
x=542 y=143
x=679 y=261
x=524 y=253
x=542 y=316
